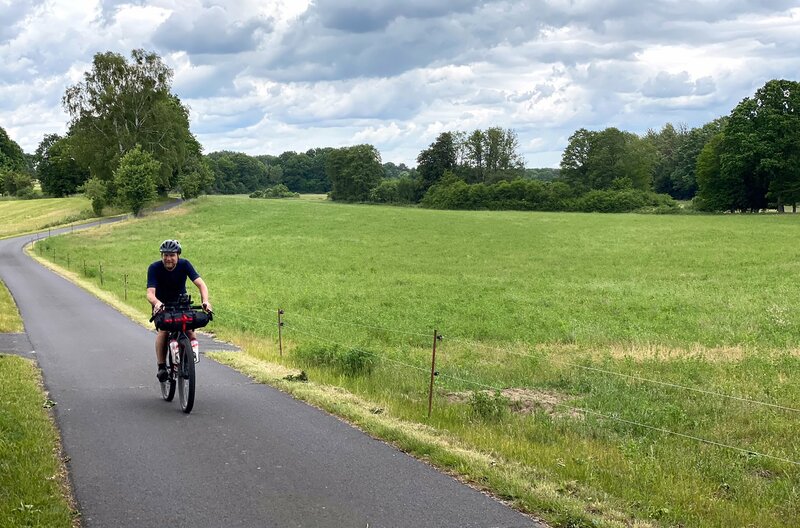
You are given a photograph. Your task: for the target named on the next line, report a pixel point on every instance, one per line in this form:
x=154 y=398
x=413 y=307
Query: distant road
x=247 y=456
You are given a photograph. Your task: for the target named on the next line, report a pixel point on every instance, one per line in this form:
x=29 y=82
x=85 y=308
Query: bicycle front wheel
x=168 y=387
x=186 y=375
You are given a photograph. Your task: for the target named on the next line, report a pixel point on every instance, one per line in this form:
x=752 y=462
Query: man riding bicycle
x=166 y=281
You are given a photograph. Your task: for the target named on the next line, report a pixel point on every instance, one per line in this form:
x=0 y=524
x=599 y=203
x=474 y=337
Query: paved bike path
x=248 y=455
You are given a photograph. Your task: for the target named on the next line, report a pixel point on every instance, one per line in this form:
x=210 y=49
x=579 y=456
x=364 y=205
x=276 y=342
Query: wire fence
x=120 y=281
x=611 y=417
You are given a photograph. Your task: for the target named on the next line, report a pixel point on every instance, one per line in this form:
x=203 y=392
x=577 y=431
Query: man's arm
x=203 y=293
x=151 y=296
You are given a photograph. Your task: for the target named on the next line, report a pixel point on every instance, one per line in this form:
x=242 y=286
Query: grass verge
x=33 y=481
x=10 y=320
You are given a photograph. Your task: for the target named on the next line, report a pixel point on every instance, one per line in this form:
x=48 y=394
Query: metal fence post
x=280 y=333
x=101 y=274
x=436 y=337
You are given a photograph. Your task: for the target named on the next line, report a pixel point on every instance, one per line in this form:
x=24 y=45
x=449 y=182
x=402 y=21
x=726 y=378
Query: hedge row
x=533 y=195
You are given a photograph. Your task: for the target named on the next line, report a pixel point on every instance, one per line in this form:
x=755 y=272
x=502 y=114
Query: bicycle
x=177 y=318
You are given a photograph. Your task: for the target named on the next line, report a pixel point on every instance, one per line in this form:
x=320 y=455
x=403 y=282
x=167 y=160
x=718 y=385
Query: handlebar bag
x=173 y=321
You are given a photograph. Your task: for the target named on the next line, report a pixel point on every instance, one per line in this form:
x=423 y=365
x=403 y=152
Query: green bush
x=276 y=191
x=401 y=190
x=613 y=201
x=347 y=360
x=488 y=407
x=534 y=195
x=521 y=195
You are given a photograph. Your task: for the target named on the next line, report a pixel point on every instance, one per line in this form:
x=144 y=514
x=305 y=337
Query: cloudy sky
x=267 y=76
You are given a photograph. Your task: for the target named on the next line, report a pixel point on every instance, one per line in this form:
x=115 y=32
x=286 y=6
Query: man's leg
x=161 y=346
x=161 y=354
x=193 y=341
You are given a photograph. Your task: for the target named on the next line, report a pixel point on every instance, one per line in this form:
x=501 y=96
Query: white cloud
x=266 y=76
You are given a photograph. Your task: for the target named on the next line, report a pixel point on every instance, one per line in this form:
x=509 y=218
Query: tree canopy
x=354 y=172
x=12 y=159
x=755 y=162
x=135 y=179
x=607 y=159
x=121 y=104
x=56 y=168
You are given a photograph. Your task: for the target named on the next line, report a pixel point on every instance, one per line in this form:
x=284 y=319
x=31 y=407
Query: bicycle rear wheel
x=186 y=375
x=168 y=387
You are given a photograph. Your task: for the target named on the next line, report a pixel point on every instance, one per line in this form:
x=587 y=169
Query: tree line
x=128 y=141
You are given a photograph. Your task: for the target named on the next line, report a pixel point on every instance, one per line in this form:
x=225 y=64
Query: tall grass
x=542 y=306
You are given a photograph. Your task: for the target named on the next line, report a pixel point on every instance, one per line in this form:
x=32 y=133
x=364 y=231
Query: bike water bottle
x=196 y=350
x=173 y=348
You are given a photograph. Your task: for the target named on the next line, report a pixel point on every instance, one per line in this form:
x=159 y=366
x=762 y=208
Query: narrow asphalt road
x=248 y=455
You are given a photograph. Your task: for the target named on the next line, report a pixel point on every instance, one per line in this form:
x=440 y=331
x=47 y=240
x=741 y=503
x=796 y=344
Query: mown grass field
x=23 y=216
x=596 y=327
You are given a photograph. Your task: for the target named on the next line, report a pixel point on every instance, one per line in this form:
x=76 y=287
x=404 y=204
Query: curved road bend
x=248 y=455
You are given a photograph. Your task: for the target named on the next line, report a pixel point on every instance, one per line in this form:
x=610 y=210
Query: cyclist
x=166 y=281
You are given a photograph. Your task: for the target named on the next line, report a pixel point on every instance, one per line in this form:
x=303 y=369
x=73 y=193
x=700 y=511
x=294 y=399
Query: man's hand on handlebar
x=207 y=306
x=157 y=307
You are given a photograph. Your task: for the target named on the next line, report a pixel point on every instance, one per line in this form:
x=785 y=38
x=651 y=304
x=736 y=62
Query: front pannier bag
x=173 y=321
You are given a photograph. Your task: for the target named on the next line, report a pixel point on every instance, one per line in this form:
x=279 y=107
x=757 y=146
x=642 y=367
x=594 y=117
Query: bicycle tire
x=186 y=375
x=168 y=387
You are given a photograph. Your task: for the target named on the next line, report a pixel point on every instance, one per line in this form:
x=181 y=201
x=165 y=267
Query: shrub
x=533 y=195
x=385 y=192
x=488 y=407
x=621 y=201
x=276 y=191
x=95 y=190
x=347 y=360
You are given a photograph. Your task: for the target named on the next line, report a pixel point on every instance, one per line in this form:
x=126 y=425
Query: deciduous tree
x=56 y=168
x=354 y=172
x=121 y=104
x=135 y=179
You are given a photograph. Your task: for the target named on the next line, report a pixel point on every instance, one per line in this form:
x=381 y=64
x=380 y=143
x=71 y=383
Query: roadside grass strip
x=33 y=481
x=596 y=370
x=10 y=320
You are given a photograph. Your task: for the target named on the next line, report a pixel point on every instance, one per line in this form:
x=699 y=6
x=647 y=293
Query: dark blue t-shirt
x=170 y=284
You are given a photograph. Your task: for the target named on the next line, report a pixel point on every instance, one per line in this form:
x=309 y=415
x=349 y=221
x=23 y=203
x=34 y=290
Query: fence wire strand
x=631 y=376
x=645 y=426
x=386 y=358
x=382 y=328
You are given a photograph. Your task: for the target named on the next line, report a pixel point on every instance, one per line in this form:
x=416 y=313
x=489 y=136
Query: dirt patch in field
x=525 y=401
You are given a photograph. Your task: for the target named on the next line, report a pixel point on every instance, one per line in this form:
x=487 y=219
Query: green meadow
x=23 y=216
x=595 y=370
